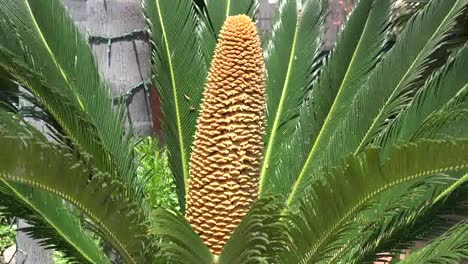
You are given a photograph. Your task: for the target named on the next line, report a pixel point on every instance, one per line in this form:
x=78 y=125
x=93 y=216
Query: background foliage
x=154 y=168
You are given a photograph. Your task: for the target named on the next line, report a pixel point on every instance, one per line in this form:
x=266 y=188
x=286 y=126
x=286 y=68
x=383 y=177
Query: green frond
x=445 y=124
x=388 y=90
x=444 y=85
x=364 y=177
x=212 y=17
x=53 y=223
x=400 y=217
x=8 y=90
x=69 y=116
x=179 y=244
x=449 y=121
x=436 y=112
x=354 y=55
x=261 y=236
x=290 y=53
x=179 y=75
x=389 y=85
x=33 y=161
x=52 y=46
x=450 y=248
x=349 y=76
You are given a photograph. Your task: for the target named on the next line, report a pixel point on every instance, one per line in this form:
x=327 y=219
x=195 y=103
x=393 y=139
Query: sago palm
x=279 y=155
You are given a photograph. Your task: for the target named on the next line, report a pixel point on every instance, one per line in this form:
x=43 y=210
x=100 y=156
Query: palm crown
x=295 y=157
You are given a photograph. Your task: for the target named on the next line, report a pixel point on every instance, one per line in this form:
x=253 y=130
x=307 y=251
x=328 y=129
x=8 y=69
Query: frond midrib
x=51 y=223
x=228 y=7
x=272 y=138
x=113 y=239
x=372 y=193
x=52 y=55
x=361 y=144
x=176 y=101
x=329 y=116
x=376 y=119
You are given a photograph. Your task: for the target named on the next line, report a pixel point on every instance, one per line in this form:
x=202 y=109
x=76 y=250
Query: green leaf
x=260 y=237
x=68 y=115
x=445 y=124
x=388 y=91
x=352 y=187
x=29 y=159
x=180 y=244
x=8 y=91
x=420 y=39
x=53 y=223
x=337 y=71
x=397 y=219
x=290 y=53
x=444 y=85
x=179 y=75
x=450 y=248
x=52 y=46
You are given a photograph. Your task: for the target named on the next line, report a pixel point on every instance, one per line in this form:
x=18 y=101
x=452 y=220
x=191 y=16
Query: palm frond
x=52 y=46
x=179 y=75
x=53 y=224
x=449 y=120
x=364 y=177
x=354 y=55
x=33 y=161
x=180 y=244
x=298 y=40
x=261 y=236
x=390 y=87
x=445 y=124
x=415 y=213
x=212 y=16
x=421 y=38
x=414 y=123
x=69 y=116
x=449 y=248
x=8 y=90
x=446 y=83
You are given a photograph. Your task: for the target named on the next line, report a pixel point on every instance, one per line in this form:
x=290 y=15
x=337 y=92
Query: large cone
x=224 y=166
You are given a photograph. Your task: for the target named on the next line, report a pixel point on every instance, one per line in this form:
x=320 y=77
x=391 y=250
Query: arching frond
x=449 y=121
x=389 y=89
x=415 y=214
x=290 y=53
x=52 y=46
x=77 y=124
x=33 y=161
x=446 y=83
x=450 y=248
x=445 y=124
x=355 y=54
x=179 y=75
x=420 y=39
x=365 y=176
x=53 y=223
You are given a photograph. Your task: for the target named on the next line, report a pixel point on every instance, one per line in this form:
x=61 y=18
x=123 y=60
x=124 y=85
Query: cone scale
x=228 y=145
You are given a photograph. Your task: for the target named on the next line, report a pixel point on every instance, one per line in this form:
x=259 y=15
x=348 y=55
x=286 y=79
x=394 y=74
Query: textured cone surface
x=224 y=166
